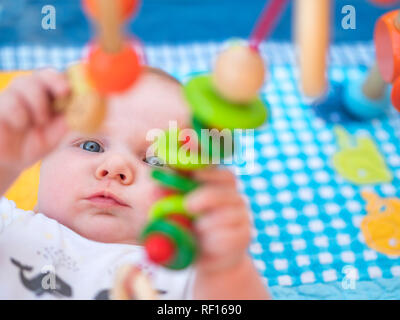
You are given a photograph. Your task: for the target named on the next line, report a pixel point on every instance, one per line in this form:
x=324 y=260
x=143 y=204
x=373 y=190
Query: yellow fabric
x=6 y=77
x=24 y=191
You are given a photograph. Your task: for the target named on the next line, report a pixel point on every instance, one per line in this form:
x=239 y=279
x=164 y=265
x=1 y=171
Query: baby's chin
x=104 y=227
x=108 y=229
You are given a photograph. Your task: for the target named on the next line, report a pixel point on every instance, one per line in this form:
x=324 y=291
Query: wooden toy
x=387 y=47
x=396 y=94
x=213 y=111
x=367 y=98
x=241 y=83
x=84 y=109
x=131 y=283
x=174 y=181
x=168 y=238
x=226 y=99
x=112 y=66
x=312 y=38
x=215 y=137
x=127 y=8
x=173 y=150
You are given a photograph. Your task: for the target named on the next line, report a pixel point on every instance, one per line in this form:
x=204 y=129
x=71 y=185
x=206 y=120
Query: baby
x=94 y=196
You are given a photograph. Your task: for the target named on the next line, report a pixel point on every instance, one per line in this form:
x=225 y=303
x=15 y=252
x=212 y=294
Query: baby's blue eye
x=91 y=146
x=154 y=161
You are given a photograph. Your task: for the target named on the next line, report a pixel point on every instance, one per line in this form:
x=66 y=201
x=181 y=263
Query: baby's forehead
x=153 y=102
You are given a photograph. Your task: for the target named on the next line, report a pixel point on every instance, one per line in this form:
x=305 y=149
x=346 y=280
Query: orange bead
x=113 y=72
x=387 y=46
x=128 y=7
x=396 y=94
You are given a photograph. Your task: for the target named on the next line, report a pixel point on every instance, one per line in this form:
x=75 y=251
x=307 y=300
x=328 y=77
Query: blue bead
x=360 y=106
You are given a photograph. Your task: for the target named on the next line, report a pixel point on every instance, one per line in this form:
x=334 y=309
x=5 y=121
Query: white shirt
x=38 y=254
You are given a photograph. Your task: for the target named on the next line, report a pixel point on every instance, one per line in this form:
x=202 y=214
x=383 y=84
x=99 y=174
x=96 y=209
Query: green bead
x=186 y=249
x=216 y=144
x=216 y=112
x=169 y=148
x=168 y=205
x=174 y=181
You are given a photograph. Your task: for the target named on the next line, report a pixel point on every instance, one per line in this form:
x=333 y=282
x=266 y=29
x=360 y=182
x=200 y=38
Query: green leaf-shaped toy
x=360 y=163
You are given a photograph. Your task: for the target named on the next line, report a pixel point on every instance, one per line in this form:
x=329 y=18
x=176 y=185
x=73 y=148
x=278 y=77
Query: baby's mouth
x=106 y=200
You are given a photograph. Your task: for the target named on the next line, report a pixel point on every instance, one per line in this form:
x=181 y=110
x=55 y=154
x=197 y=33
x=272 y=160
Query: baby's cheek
x=57 y=188
x=147 y=193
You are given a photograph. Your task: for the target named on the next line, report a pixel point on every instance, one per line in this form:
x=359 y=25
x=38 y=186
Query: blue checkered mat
x=306 y=216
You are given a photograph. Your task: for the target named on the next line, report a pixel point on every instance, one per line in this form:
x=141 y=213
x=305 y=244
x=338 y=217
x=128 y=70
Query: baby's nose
x=118 y=168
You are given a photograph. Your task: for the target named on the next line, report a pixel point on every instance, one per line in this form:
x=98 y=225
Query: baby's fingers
x=37 y=91
x=215 y=175
x=56 y=82
x=228 y=217
x=229 y=241
x=34 y=97
x=210 y=197
x=13 y=111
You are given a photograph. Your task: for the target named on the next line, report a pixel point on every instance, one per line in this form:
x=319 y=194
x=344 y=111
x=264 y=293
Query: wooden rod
x=374 y=86
x=109 y=24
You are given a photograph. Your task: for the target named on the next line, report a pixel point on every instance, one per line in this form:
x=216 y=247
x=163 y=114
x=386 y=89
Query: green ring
x=180 y=160
x=184 y=241
x=168 y=205
x=198 y=126
x=174 y=181
x=216 y=112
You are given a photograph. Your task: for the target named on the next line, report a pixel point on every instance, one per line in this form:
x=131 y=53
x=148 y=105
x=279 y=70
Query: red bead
x=396 y=94
x=128 y=7
x=180 y=219
x=159 y=247
x=162 y=192
x=113 y=72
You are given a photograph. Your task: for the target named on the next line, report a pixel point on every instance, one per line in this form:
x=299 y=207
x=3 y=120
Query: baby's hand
x=29 y=129
x=223 y=226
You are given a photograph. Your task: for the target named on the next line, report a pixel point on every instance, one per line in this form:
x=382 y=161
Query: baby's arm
x=28 y=127
x=224 y=269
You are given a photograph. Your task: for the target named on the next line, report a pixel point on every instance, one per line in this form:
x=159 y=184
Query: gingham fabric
x=306 y=217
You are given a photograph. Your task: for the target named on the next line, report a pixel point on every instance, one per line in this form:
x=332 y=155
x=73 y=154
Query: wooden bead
x=127 y=8
x=239 y=74
x=86 y=112
x=84 y=108
x=387 y=46
x=132 y=284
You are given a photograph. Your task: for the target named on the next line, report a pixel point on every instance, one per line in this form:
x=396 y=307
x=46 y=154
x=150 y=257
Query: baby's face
x=100 y=185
